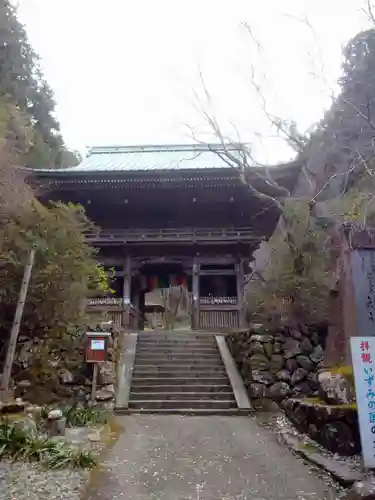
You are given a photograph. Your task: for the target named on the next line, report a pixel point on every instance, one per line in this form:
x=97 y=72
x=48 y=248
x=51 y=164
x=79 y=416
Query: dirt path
x=170 y=457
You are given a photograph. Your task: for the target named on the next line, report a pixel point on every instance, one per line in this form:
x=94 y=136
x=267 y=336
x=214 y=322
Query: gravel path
x=25 y=481
x=171 y=457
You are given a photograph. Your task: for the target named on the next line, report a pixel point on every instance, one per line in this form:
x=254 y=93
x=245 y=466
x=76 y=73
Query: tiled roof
x=132 y=158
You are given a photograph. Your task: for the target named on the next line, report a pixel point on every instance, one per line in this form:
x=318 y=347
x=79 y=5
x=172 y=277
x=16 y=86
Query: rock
x=305 y=362
x=66 y=377
x=56 y=427
x=278 y=391
x=35 y=411
x=283 y=375
x=26 y=353
x=268 y=349
x=302 y=388
x=256 y=347
x=362 y=490
x=278 y=347
x=27 y=424
x=312 y=379
x=277 y=362
x=24 y=384
x=317 y=354
x=12 y=406
x=314 y=337
x=298 y=375
x=105 y=394
x=307 y=346
x=106 y=375
x=291 y=365
x=261 y=338
x=335 y=388
x=55 y=414
x=296 y=334
x=292 y=348
x=257 y=390
x=259 y=362
x=262 y=377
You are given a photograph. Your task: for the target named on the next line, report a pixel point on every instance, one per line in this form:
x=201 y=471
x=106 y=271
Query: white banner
x=97 y=345
x=363 y=356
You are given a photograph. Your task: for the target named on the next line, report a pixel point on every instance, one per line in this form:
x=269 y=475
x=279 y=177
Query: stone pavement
x=206 y=458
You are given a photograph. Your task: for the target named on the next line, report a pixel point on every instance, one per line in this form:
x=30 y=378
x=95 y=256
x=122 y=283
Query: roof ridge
x=154 y=148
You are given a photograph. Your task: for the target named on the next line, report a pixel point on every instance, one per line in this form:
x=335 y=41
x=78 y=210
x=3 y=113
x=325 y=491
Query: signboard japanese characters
x=362 y=263
x=363 y=355
x=97 y=345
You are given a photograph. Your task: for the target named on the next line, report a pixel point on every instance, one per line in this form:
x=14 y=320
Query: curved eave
x=285 y=176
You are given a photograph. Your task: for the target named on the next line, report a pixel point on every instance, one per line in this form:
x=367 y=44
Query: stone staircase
x=180 y=373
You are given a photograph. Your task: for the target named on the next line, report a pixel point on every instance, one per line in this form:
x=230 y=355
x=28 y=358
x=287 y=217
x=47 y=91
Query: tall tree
x=27 y=108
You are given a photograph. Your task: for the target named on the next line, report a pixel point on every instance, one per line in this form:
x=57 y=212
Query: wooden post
x=94 y=382
x=127 y=279
x=126 y=293
x=195 y=290
x=240 y=292
x=16 y=323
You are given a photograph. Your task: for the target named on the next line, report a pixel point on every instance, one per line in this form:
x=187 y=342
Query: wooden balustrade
x=172 y=235
x=218 y=300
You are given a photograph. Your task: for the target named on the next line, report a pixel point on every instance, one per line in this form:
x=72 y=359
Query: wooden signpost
x=97 y=344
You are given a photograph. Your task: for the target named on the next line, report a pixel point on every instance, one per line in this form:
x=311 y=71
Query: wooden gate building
x=171 y=215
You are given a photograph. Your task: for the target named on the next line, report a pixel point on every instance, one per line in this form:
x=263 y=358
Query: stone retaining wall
x=278 y=364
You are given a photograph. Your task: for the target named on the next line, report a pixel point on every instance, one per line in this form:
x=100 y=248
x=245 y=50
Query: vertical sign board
x=362 y=263
x=363 y=356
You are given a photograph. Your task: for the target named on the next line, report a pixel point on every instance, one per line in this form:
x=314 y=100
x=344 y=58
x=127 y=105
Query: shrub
x=78 y=417
x=17 y=444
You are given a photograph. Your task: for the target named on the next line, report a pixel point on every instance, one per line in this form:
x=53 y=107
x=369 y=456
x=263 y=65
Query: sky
x=130 y=71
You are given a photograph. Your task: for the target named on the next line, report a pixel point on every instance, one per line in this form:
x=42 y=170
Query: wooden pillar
x=195 y=293
x=240 y=279
x=127 y=280
x=126 y=292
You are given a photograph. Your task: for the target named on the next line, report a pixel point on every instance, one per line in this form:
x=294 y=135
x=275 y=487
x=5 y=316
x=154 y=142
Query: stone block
x=362 y=490
x=262 y=377
x=317 y=355
x=283 y=375
x=291 y=365
x=306 y=345
x=305 y=362
x=257 y=390
x=256 y=348
x=277 y=362
x=292 y=348
x=298 y=376
x=278 y=391
x=259 y=362
x=335 y=388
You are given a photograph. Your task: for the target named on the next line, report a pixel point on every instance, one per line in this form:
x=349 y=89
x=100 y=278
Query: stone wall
x=278 y=364
x=48 y=379
x=333 y=426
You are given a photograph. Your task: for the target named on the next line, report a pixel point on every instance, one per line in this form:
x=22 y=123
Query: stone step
x=176 y=336
x=181 y=404
x=182 y=344
x=194 y=386
x=184 y=411
x=179 y=368
x=178 y=355
x=173 y=361
x=183 y=396
x=188 y=381
x=163 y=374
x=177 y=350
